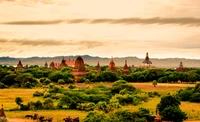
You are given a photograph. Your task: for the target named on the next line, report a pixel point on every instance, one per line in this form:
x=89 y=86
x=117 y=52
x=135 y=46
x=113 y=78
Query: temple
x=59 y=65
x=20 y=66
x=46 y=65
x=181 y=68
x=147 y=63
x=111 y=67
x=2 y=114
x=158 y=117
x=125 y=69
x=98 y=67
x=79 y=69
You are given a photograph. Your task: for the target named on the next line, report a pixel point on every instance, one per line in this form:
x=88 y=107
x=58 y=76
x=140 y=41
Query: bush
x=47 y=81
x=61 y=81
x=195 y=97
x=48 y=103
x=38 y=94
x=185 y=95
x=71 y=86
x=120 y=85
x=173 y=113
x=27 y=85
x=95 y=116
x=86 y=106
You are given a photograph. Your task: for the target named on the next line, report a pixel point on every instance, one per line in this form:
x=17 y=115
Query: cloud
x=84 y=44
x=30 y=1
x=126 y=21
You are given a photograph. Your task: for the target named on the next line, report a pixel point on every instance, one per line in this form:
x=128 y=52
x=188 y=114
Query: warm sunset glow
x=164 y=28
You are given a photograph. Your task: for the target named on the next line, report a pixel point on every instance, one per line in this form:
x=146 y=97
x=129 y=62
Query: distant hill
x=165 y=63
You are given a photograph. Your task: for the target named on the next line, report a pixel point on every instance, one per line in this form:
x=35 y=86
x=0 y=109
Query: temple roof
x=79 y=64
x=98 y=67
x=2 y=114
x=147 y=61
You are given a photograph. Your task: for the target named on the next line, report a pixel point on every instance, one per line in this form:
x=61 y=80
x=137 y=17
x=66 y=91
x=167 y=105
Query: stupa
x=125 y=69
x=181 y=68
x=79 y=69
x=111 y=67
x=98 y=67
x=20 y=65
x=147 y=63
x=46 y=65
x=2 y=113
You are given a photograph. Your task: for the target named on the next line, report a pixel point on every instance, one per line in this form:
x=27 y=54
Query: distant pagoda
x=125 y=69
x=98 y=67
x=147 y=63
x=79 y=69
x=181 y=68
x=111 y=66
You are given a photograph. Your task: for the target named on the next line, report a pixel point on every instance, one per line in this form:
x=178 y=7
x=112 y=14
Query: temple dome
x=79 y=64
x=79 y=69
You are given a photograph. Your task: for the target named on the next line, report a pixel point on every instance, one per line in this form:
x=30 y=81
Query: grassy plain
x=7 y=97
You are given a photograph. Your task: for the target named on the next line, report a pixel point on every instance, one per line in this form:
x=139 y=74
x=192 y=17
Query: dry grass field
x=7 y=97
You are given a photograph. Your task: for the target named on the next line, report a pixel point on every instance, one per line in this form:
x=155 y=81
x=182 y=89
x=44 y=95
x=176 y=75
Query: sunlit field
x=7 y=98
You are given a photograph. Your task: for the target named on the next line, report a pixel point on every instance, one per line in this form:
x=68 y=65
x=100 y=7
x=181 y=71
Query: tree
x=168 y=100
x=48 y=103
x=173 y=113
x=169 y=109
x=18 y=101
x=192 y=76
x=154 y=83
x=95 y=116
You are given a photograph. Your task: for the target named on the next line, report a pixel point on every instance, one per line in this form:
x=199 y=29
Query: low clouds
x=48 y=42
x=29 y=1
x=124 y=21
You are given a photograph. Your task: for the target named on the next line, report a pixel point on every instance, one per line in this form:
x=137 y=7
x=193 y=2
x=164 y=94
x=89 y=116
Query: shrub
x=173 y=113
x=185 y=95
x=61 y=81
x=195 y=97
x=71 y=86
x=27 y=85
x=47 y=81
x=38 y=94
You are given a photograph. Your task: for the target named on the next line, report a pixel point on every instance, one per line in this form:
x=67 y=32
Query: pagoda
x=98 y=67
x=20 y=65
x=63 y=63
x=181 y=68
x=125 y=69
x=2 y=113
x=46 y=65
x=79 y=69
x=111 y=67
x=147 y=63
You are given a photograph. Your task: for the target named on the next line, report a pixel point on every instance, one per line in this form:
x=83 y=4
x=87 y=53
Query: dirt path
x=19 y=120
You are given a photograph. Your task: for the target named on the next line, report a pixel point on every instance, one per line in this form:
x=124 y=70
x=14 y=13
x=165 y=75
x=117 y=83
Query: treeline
x=145 y=75
x=191 y=94
x=36 y=76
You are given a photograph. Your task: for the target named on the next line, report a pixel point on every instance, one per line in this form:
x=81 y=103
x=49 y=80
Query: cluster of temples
x=79 y=69
x=59 y=65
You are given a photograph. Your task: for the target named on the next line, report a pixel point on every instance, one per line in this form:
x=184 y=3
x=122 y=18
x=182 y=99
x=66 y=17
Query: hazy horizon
x=49 y=28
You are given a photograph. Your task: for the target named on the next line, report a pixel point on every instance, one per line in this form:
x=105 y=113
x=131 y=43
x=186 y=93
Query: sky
x=105 y=28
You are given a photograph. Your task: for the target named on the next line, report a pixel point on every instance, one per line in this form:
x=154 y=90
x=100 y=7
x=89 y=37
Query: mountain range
x=91 y=60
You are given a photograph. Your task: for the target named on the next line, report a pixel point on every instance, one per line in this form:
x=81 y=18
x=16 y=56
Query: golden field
x=7 y=98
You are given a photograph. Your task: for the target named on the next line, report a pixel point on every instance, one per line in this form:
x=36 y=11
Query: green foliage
x=154 y=83
x=48 y=103
x=195 y=97
x=61 y=81
x=18 y=100
x=168 y=100
x=38 y=94
x=121 y=85
x=71 y=86
x=95 y=116
x=173 y=113
x=90 y=106
x=169 y=109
